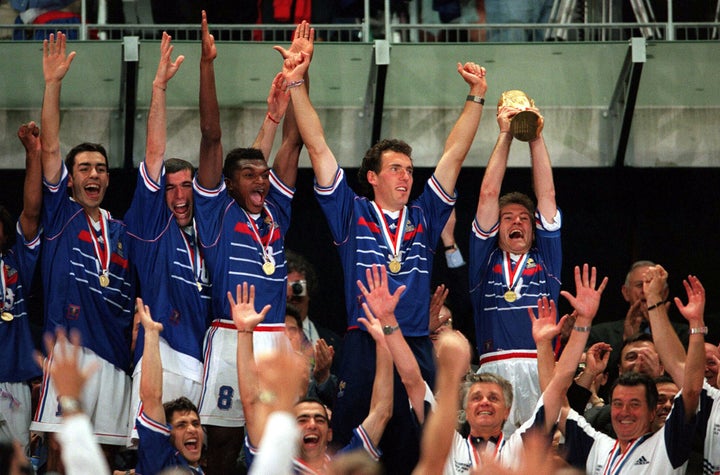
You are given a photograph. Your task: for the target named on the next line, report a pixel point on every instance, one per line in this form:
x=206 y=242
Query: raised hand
x=303 y=42
x=654 y=284
x=324 y=355
x=278 y=98
x=166 y=66
x=436 y=302
x=545 y=327
x=694 y=310
x=474 y=75
x=587 y=300
x=67 y=375
x=29 y=135
x=597 y=357
x=381 y=303
x=242 y=308
x=634 y=318
x=55 y=62
x=143 y=312
x=209 y=50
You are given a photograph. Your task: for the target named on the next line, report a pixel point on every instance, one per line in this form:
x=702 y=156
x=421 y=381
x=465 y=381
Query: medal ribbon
x=513 y=276
x=100 y=251
x=3 y=280
x=195 y=258
x=476 y=457
x=392 y=240
x=256 y=231
x=617 y=458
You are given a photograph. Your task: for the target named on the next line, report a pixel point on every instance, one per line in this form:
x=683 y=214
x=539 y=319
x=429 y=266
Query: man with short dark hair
x=515 y=258
x=165 y=252
x=87 y=279
x=633 y=403
x=243 y=213
x=169 y=434
x=387 y=229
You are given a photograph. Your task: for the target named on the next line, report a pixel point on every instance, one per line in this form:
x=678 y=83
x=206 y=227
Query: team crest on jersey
x=530 y=264
x=175 y=317
x=341 y=388
x=409 y=227
x=119 y=251
x=73 y=312
x=487 y=346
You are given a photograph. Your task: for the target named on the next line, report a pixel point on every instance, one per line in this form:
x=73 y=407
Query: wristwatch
x=388 y=330
x=69 y=405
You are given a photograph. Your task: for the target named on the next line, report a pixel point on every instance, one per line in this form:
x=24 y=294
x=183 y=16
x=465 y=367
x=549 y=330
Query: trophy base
x=524 y=126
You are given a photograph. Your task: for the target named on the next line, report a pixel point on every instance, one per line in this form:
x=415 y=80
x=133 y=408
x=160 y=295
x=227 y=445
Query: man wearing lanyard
x=164 y=250
x=243 y=212
x=19 y=252
x=385 y=229
x=633 y=404
x=511 y=266
x=86 y=276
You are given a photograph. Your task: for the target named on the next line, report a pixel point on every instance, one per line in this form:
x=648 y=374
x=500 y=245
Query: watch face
x=387 y=329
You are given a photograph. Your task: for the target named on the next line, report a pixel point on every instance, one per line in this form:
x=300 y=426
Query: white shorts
x=182 y=375
x=15 y=413
x=105 y=399
x=220 y=400
x=520 y=368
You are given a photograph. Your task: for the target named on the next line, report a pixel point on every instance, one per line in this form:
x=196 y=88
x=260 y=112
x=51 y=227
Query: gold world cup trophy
x=525 y=125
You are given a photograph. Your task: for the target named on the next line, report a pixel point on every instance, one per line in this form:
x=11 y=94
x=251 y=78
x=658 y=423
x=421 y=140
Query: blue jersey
x=74 y=297
x=155 y=452
x=357 y=232
x=16 y=352
x=233 y=248
x=500 y=324
x=169 y=267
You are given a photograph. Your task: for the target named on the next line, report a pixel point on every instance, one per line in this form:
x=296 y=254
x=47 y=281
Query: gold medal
x=394 y=266
x=510 y=296
x=7 y=317
x=104 y=280
x=199 y=286
x=268 y=268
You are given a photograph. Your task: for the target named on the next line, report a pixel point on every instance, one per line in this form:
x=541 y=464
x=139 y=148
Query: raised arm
x=29 y=135
x=379 y=307
x=277 y=102
x=242 y=309
x=544 y=329
x=666 y=341
x=452 y=362
x=694 y=313
x=323 y=161
x=543 y=183
x=157 y=116
x=488 y=210
x=287 y=157
x=151 y=377
x=381 y=401
x=81 y=454
x=56 y=64
x=463 y=132
x=211 y=153
x=586 y=304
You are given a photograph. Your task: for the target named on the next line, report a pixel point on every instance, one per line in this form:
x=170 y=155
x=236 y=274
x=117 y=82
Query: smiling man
x=164 y=249
x=243 y=212
x=170 y=434
x=87 y=279
x=387 y=229
x=515 y=258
